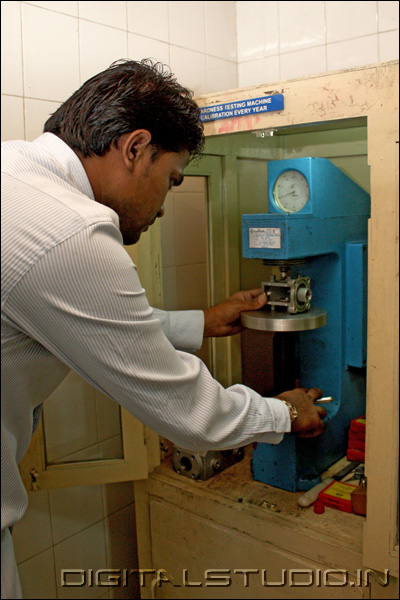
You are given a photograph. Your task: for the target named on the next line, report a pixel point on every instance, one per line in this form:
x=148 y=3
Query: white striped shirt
x=72 y=299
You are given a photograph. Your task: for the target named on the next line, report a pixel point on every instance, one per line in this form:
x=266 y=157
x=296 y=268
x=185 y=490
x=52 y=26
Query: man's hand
x=224 y=318
x=308 y=423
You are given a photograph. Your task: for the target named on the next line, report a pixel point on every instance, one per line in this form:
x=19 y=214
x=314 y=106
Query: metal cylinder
x=304 y=294
x=285 y=370
x=264 y=320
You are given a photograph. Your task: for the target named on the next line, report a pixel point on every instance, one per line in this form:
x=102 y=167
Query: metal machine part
x=288 y=306
x=195 y=466
x=286 y=293
x=276 y=321
x=292 y=294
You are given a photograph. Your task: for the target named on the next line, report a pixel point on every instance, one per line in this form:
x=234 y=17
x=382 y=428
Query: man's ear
x=133 y=145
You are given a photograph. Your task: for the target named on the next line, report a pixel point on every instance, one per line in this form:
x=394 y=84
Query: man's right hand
x=309 y=416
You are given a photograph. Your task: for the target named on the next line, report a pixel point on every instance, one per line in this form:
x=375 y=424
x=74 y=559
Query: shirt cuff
x=281 y=415
x=183 y=328
x=282 y=422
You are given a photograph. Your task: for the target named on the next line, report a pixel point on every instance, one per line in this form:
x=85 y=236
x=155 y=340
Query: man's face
x=137 y=193
x=145 y=198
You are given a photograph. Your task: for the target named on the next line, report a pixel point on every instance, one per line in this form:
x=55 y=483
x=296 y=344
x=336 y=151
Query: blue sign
x=242 y=108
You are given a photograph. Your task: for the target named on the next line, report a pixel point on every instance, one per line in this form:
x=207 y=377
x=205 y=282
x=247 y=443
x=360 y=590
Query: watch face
x=291 y=191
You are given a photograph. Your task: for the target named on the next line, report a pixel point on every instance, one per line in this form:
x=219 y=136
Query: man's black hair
x=129 y=95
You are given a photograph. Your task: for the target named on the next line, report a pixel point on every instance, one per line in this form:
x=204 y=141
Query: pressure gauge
x=291 y=191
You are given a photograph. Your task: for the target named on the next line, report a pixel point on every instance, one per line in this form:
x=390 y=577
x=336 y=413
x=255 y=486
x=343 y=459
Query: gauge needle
x=293 y=193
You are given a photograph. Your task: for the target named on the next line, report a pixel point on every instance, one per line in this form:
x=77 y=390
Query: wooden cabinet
x=204 y=531
x=233 y=537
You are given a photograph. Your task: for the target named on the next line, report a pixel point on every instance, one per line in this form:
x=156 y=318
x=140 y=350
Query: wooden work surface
x=237 y=486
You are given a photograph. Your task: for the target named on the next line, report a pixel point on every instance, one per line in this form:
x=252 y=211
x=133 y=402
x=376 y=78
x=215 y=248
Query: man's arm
x=84 y=303
x=224 y=319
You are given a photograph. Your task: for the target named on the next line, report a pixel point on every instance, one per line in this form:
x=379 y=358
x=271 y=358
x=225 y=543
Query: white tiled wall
x=184 y=241
x=184 y=247
x=89 y=527
x=284 y=40
x=50 y=48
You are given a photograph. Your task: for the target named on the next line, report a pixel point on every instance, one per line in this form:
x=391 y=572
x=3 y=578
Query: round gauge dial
x=291 y=191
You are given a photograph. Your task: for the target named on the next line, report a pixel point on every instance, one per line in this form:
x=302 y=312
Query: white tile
x=120 y=536
x=251 y=33
x=192 y=287
x=167 y=226
x=257 y=72
x=352 y=53
x=89 y=453
x=169 y=286
x=191 y=229
x=220 y=26
x=303 y=62
x=301 y=25
x=50 y=51
x=100 y=46
x=68 y=8
x=190 y=69
x=36 y=114
x=85 y=550
x=117 y=496
x=32 y=534
x=12 y=118
x=221 y=75
x=108 y=414
x=345 y=20
x=187 y=25
x=111 y=448
x=271 y=25
x=149 y=19
x=74 y=509
x=122 y=550
x=112 y=14
x=388 y=46
x=70 y=418
x=143 y=47
x=388 y=15
x=38 y=576
x=11 y=49
x=192 y=183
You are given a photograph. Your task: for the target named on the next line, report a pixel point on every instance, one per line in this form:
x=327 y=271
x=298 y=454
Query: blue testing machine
x=315 y=233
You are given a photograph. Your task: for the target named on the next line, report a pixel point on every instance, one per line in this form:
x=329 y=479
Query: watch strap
x=292 y=410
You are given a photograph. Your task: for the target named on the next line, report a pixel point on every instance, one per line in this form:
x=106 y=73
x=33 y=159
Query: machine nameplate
x=242 y=108
x=264 y=237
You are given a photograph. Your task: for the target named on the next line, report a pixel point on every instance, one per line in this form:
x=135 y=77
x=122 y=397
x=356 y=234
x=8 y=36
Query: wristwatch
x=292 y=410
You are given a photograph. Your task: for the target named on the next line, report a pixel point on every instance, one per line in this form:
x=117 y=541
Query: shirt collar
x=66 y=159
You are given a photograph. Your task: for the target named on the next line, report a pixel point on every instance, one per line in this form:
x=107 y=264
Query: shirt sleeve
x=84 y=303
x=183 y=328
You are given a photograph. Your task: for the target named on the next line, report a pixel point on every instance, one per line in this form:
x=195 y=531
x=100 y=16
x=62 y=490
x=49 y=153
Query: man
x=71 y=298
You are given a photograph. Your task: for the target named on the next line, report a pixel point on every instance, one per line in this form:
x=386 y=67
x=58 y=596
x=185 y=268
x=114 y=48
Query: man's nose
x=161 y=212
